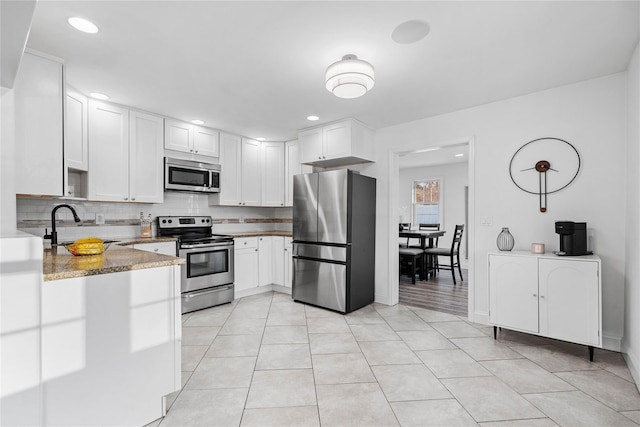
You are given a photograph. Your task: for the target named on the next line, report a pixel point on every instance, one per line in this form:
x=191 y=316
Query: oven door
x=207 y=265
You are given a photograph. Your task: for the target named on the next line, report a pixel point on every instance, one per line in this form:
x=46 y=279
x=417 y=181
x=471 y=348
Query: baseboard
x=480 y=317
x=281 y=289
x=632 y=363
x=611 y=342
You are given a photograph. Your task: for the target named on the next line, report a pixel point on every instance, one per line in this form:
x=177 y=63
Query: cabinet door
x=570 y=300
x=265 y=258
x=310 y=143
x=277 y=260
x=336 y=140
x=273 y=174
x=178 y=136
x=206 y=142
x=251 y=172
x=513 y=292
x=230 y=174
x=108 y=178
x=288 y=262
x=246 y=269
x=76 y=153
x=38 y=127
x=145 y=149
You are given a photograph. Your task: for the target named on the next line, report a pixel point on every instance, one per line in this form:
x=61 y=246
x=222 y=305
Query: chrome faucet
x=54 y=235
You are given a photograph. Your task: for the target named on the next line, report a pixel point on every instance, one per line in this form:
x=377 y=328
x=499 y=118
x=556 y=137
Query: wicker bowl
x=87 y=249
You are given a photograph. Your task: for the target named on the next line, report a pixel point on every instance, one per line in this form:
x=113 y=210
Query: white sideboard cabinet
x=547 y=295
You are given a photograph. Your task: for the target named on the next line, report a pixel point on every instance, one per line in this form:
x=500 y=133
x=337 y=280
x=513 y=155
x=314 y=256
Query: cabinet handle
x=535 y=295
x=133 y=198
x=126 y=198
x=191 y=151
x=155 y=250
x=323 y=157
x=240 y=203
x=319 y=157
x=196 y=151
x=541 y=296
x=256 y=250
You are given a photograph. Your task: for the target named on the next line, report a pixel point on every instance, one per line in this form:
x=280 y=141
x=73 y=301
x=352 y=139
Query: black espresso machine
x=573 y=238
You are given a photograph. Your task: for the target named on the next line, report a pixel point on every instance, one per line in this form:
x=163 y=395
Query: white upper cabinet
x=337 y=144
x=125 y=155
x=108 y=178
x=251 y=172
x=206 y=141
x=188 y=138
x=76 y=151
x=273 y=174
x=39 y=101
x=230 y=172
x=146 y=179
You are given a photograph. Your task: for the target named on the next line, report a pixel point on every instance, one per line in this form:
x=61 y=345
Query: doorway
x=452 y=164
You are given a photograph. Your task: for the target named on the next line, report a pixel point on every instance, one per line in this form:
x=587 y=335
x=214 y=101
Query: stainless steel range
x=207 y=277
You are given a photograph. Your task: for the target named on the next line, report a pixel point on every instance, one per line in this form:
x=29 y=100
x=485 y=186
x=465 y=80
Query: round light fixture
x=313 y=118
x=261 y=139
x=197 y=122
x=349 y=78
x=460 y=155
x=100 y=96
x=83 y=25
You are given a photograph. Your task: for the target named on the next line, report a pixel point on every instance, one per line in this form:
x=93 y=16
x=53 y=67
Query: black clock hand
x=527 y=169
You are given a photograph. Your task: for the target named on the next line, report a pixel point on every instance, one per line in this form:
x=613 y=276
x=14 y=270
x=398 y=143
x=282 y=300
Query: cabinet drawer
x=246 y=242
x=164 y=248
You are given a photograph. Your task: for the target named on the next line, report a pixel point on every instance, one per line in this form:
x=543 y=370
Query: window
x=427 y=205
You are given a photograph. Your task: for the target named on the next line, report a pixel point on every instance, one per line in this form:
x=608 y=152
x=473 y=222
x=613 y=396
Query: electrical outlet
x=486 y=221
x=100 y=219
x=241 y=220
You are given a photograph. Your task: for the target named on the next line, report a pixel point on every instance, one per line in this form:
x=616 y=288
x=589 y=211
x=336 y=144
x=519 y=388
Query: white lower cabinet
x=265 y=261
x=288 y=262
x=163 y=248
x=260 y=262
x=109 y=340
x=245 y=263
x=547 y=295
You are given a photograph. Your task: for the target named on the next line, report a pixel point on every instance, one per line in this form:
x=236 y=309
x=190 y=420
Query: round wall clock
x=544 y=166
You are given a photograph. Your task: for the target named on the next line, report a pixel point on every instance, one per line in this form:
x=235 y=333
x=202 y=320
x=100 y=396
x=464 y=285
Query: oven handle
x=207 y=245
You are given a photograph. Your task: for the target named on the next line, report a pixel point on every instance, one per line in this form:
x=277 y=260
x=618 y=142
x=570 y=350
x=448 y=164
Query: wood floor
x=437 y=293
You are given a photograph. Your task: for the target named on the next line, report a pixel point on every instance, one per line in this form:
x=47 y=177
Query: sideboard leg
x=590 y=353
x=495 y=332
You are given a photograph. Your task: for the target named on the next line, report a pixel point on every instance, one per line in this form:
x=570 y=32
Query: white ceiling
x=257 y=68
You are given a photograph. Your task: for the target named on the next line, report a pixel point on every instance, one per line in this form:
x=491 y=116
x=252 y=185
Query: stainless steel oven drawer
x=206 y=298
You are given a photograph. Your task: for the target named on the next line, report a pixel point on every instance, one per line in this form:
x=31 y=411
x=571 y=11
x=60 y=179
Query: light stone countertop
x=142 y=240
x=59 y=264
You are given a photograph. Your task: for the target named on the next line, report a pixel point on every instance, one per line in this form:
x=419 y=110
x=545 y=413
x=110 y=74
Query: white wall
x=590 y=115
x=454 y=179
x=7 y=187
x=631 y=342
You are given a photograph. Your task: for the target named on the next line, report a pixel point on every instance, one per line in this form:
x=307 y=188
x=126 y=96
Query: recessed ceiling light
x=313 y=118
x=261 y=139
x=410 y=32
x=197 y=122
x=98 y=95
x=459 y=155
x=427 y=150
x=83 y=25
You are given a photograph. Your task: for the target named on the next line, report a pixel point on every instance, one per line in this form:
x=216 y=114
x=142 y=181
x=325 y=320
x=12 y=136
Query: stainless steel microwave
x=188 y=175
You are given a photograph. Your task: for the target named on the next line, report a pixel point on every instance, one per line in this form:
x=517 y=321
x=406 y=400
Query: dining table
x=426 y=241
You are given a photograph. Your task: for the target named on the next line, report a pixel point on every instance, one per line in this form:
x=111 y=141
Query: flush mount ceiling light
x=83 y=25
x=261 y=139
x=197 y=122
x=349 y=78
x=313 y=118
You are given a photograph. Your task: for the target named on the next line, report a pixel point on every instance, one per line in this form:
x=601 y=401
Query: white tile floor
x=267 y=361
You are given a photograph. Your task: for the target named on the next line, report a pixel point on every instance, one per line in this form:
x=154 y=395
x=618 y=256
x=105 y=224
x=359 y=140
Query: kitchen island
x=111 y=332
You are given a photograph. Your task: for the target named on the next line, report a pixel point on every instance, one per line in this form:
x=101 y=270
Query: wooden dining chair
x=453 y=253
x=411 y=262
x=431 y=260
x=405 y=226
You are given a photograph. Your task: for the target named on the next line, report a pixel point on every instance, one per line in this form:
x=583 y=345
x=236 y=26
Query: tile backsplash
x=122 y=219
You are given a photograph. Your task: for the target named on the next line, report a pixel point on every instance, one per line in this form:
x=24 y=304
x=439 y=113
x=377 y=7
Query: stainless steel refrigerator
x=334 y=218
